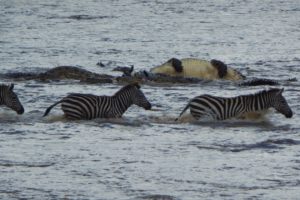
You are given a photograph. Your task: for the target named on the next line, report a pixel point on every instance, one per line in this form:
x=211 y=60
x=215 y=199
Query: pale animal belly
x=254 y=115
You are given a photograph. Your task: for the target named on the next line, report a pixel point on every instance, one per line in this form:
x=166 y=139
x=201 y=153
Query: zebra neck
x=122 y=102
x=2 y=93
x=257 y=102
x=1 y=99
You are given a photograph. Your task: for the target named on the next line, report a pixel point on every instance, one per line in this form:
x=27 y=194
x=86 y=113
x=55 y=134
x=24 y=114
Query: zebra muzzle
x=289 y=115
x=21 y=111
x=148 y=107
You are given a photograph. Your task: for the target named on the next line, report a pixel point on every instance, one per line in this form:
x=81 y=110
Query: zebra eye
x=282 y=101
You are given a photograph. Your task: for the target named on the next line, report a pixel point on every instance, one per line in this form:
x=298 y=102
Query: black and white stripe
x=10 y=99
x=89 y=106
x=221 y=108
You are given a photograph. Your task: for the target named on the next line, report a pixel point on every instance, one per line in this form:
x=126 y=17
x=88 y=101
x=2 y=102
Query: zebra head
x=139 y=98
x=281 y=105
x=11 y=100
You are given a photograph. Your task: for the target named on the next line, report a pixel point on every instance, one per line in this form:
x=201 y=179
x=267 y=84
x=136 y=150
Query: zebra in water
x=10 y=99
x=89 y=106
x=221 y=108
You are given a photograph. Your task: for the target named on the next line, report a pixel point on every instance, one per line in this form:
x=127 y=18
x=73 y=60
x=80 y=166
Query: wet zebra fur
x=10 y=99
x=89 y=106
x=221 y=108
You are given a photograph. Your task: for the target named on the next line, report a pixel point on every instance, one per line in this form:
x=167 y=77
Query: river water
x=146 y=155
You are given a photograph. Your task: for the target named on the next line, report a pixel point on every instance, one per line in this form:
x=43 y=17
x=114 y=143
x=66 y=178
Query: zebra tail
x=50 y=107
x=186 y=107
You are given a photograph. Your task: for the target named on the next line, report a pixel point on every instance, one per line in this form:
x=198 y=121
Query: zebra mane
x=127 y=87
x=3 y=86
x=271 y=90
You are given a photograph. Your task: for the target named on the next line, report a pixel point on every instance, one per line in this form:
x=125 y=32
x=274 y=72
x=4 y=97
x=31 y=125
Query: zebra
x=10 y=99
x=221 y=108
x=89 y=106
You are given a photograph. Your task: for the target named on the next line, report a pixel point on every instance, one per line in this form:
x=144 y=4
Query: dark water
x=146 y=155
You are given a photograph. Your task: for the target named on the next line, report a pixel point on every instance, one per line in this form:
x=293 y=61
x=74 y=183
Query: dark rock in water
x=97 y=80
x=100 y=64
x=292 y=79
x=129 y=79
x=71 y=72
x=63 y=72
x=20 y=75
x=127 y=71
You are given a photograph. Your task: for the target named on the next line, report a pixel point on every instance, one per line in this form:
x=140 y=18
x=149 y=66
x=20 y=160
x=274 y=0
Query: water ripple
x=267 y=144
x=82 y=17
x=157 y=197
x=6 y=163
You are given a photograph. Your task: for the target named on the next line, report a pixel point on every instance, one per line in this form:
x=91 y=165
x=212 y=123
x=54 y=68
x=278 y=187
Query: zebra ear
x=136 y=84
x=280 y=91
x=11 y=87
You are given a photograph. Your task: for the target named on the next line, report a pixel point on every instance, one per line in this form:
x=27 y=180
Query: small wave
x=82 y=17
x=6 y=163
x=188 y=118
x=157 y=197
x=103 y=122
x=108 y=51
x=235 y=123
x=8 y=116
x=56 y=118
x=267 y=144
x=164 y=119
x=249 y=119
x=9 y=192
x=120 y=121
x=283 y=141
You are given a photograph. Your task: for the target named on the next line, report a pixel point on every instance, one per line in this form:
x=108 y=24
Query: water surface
x=146 y=155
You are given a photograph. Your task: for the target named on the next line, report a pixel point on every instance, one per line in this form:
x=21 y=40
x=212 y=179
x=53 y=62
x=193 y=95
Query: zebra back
x=10 y=99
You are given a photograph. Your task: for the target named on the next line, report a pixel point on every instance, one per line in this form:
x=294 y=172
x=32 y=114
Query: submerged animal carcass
x=197 y=68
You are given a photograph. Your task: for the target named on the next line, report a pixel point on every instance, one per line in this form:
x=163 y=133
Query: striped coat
x=89 y=106
x=221 y=108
